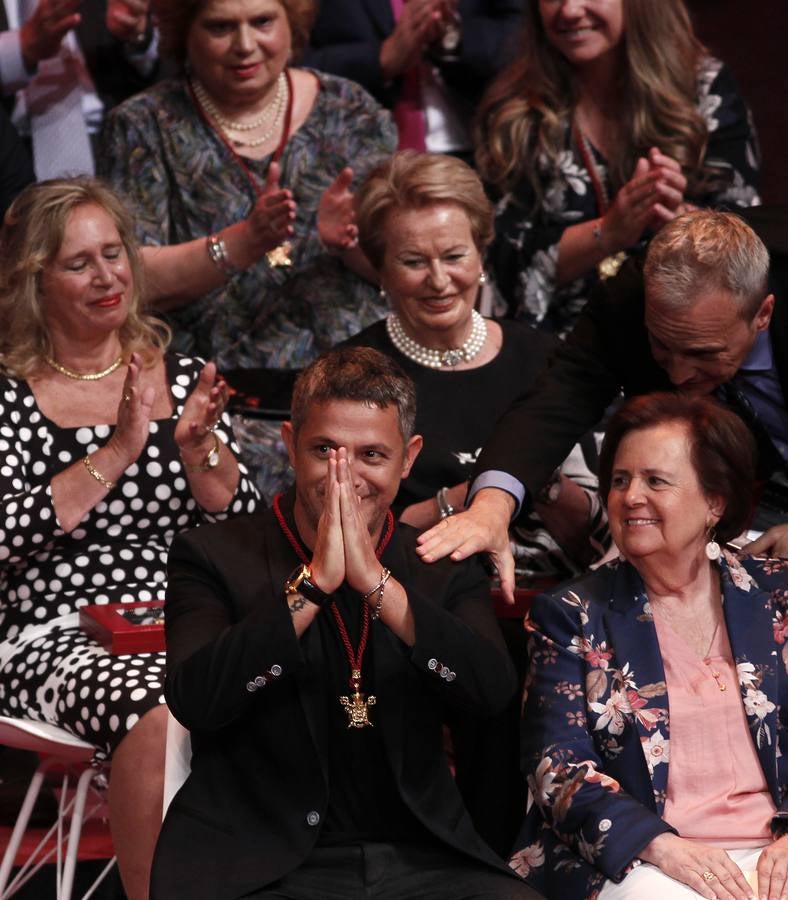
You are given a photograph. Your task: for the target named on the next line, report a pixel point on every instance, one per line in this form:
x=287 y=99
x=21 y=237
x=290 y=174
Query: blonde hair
x=524 y=113
x=704 y=251
x=412 y=180
x=30 y=239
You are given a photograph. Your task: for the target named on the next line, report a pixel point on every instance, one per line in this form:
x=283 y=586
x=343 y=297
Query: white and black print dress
x=524 y=255
x=49 y=669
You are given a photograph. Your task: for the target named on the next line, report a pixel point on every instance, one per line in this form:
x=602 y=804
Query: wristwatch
x=211 y=460
x=300 y=582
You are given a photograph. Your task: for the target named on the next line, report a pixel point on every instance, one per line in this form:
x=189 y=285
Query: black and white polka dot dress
x=49 y=669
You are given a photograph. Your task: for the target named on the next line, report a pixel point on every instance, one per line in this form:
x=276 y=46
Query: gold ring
x=708 y=876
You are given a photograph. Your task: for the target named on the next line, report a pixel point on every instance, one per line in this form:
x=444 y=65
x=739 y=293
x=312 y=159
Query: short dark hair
x=722 y=449
x=360 y=374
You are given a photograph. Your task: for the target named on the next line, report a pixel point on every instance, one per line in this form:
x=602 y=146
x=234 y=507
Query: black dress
x=457 y=411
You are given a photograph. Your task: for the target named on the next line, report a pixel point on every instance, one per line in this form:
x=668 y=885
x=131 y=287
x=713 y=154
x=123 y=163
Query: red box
x=112 y=627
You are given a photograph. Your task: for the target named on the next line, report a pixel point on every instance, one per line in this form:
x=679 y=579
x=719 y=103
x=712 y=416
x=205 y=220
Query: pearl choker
x=89 y=376
x=438 y=359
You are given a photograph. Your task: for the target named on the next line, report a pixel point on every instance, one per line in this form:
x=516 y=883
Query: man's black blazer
x=250 y=809
x=608 y=352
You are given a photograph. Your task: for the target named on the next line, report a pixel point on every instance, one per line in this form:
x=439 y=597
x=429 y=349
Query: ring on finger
x=708 y=876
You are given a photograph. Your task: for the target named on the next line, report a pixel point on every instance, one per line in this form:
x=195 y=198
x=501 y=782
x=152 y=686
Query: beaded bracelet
x=379 y=587
x=88 y=463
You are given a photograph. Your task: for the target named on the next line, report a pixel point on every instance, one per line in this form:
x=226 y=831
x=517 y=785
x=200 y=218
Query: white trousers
x=647 y=882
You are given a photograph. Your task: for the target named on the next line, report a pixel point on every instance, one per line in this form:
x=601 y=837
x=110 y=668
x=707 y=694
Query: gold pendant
x=279 y=256
x=357 y=709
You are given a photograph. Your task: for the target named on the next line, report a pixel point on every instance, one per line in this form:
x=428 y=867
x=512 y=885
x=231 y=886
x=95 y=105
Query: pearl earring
x=482 y=278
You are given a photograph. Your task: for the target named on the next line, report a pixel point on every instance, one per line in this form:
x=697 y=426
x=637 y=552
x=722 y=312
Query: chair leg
x=20 y=826
x=74 y=834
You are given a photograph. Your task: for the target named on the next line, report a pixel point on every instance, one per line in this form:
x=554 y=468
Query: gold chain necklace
x=78 y=376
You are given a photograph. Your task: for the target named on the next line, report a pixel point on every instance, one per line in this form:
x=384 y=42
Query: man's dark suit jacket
x=608 y=351
x=347 y=36
x=249 y=811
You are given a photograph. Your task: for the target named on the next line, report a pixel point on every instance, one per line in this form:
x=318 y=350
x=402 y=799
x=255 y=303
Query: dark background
x=751 y=36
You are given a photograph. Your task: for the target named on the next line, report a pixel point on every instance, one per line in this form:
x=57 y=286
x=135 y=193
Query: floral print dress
x=596 y=727
x=524 y=254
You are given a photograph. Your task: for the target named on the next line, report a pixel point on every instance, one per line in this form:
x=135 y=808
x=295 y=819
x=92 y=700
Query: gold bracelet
x=88 y=463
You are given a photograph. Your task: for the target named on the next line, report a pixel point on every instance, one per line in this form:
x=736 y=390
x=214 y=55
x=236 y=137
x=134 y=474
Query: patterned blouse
x=181 y=183
x=524 y=255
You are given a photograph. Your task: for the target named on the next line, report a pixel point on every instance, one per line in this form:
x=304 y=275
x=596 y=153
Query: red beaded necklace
x=356 y=706
x=279 y=256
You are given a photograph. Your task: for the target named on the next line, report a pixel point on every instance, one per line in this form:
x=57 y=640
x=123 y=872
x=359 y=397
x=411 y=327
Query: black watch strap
x=300 y=582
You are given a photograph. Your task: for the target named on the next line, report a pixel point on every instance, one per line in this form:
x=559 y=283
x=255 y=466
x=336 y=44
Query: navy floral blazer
x=596 y=728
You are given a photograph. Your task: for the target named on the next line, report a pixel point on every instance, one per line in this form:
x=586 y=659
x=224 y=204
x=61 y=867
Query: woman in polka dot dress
x=109 y=446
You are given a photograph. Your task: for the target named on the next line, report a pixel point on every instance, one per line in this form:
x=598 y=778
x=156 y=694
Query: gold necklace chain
x=78 y=376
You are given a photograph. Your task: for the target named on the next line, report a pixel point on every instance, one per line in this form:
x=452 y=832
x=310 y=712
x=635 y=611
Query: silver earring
x=382 y=294
x=482 y=278
x=712 y=547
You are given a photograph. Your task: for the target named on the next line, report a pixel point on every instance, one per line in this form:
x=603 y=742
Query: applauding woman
x=611 y=122
x=237 y=175
x=111 y=446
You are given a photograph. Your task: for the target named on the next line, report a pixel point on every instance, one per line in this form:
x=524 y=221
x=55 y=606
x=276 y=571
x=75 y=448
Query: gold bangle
x=88 y=463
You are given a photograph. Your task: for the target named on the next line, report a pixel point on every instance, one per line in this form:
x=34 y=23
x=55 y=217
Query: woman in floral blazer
x=597 y=724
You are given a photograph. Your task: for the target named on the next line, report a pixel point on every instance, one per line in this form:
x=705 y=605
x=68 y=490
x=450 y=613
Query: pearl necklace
x=274 y=109
x=78 y=376
x=438 y=359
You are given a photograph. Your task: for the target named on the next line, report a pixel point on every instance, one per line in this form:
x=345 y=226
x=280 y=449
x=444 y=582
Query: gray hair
x=705 y=251
x=362 y=375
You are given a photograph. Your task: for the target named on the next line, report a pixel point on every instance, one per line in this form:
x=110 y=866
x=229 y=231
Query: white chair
x=177 y=760
x=57 y=749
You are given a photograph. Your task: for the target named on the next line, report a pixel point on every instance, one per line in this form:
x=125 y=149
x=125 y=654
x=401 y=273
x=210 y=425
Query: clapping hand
x=134 y=414
x=41 y=35
x=127 y=19
x=336 y=223
x=271 y=220
x=421 y=23
x=201 y=413
x=652 y=196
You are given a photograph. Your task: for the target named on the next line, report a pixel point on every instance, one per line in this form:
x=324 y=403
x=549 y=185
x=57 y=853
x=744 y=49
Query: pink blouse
x=717 y=792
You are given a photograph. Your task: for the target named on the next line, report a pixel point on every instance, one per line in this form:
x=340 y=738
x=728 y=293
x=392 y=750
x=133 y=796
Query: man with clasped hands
x=311 y=654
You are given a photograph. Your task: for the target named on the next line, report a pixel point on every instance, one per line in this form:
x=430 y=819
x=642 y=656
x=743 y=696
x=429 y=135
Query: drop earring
x=482 y=278
x=712 y=547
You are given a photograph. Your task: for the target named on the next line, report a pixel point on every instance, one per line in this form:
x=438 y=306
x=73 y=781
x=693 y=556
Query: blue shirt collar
x=760 y=358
